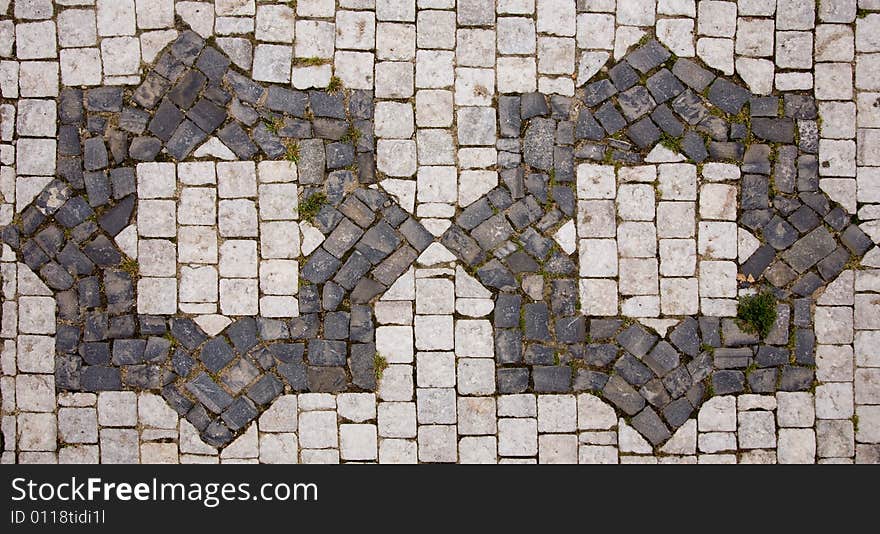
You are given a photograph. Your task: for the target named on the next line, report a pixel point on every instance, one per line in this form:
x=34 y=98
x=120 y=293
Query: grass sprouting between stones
x=352 y=135
x=130 y=266
x=757 y=313
x=171 y=339
x=292 y=153
x=672 y=143
x=275 y=125
x=310 y=61
x=335 y=85
x=310 y=207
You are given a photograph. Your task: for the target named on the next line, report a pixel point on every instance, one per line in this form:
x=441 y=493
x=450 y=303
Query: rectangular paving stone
x=209 y=393
x=810 y=249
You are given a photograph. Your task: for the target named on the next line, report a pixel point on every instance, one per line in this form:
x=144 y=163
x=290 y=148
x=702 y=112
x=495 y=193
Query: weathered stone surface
x=551 y=379
x=209 y=393
x=649 y=424
x=538 y=143
x=622 y=395
x=810 y=249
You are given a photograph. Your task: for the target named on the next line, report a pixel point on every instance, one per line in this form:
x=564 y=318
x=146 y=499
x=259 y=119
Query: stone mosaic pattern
x=539 y=217
x=629 y=218
x=191 y=94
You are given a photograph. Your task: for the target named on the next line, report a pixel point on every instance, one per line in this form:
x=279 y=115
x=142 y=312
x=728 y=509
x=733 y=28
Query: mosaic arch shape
x=650 y=113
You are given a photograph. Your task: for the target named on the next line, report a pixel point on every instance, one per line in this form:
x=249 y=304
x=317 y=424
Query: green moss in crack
x=757 y=313
x=576 y=365
x=352 y=135
x=310 y=207
x=672 y=143
x=379 y=365
x=335 y=85
x=131 y=267
x=291 y=151
x=275 y=125
x=854 y=264
x=751 y=368
x=171 y=339
x=309 y=61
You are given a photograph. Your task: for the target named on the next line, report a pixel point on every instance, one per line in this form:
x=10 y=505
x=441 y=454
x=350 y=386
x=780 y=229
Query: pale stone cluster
x=641 y=231
x=237 y=239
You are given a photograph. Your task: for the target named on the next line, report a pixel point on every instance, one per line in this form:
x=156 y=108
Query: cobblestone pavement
x=400 y=231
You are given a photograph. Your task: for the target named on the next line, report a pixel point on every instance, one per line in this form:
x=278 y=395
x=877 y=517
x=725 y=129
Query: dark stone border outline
x=66 y=239
x=654 y=381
